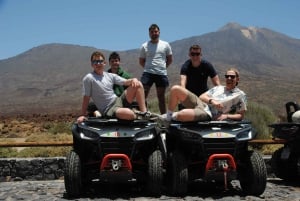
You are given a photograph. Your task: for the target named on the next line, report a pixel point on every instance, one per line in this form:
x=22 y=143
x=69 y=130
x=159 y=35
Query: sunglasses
x=230 y=76
x=195 y=54
x=94 y=62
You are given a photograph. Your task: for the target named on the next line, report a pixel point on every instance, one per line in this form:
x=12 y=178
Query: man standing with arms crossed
x=155 y=57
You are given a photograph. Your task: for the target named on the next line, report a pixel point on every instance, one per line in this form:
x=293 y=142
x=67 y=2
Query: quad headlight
x=144 y=135
x=188 y=135
x=88 y=135
x=245 y=135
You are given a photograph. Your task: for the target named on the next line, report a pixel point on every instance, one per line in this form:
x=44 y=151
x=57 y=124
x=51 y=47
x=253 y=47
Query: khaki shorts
x=118 y=103
x=193 y=102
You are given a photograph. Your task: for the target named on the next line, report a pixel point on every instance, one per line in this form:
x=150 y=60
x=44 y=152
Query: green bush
x=260 y=116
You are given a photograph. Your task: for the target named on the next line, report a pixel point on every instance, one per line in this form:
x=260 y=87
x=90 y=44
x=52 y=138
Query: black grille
x=222 y=145
x=117 y=145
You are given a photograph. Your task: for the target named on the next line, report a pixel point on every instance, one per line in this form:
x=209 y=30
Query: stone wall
x=45 y=168
x=13 y=169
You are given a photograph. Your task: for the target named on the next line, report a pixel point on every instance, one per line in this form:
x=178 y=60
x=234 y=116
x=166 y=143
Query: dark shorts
x=148 y=79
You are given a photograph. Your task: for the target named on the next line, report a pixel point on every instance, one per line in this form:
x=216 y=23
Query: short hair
x=195 y=47
x=234 y=70
x=237 y=74
x=114 y=55
x=97 y=54
x=153 y=26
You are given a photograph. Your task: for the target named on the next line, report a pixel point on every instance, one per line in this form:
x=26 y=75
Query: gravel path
x=54 y=190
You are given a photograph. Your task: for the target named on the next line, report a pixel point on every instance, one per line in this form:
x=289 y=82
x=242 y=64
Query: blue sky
x=123 y=25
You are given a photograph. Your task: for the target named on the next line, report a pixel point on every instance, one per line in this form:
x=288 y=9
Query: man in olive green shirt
x=114 y=62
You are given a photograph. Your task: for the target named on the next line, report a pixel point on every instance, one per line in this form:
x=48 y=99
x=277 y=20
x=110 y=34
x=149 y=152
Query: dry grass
x=49 y=131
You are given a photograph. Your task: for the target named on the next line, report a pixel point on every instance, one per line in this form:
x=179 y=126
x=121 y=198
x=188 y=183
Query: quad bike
x=115 y=151
x=285 y=161
x=214 y=151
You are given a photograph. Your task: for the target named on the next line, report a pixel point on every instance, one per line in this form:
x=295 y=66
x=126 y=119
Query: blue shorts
x=160 y=80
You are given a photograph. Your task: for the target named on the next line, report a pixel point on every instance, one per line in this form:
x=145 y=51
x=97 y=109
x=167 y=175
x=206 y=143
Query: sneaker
x=145 y=115
x=163 y=121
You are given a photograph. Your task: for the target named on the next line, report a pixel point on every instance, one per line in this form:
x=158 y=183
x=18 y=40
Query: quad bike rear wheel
x=253 y=174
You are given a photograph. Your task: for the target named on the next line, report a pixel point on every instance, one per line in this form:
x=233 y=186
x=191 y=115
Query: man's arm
x=209 y=100
x=238 y=116
x=215 y=80
x=132 y=82
x=169 y=60
x=85 y=102
x=142 y=61
x=205 y=98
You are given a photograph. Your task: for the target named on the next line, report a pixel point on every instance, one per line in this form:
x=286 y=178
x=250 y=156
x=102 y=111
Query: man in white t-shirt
x=155 y=58
x=219 y=103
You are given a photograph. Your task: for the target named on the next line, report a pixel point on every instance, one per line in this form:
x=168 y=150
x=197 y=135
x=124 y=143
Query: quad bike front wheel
x=253 y=174
x=155 y=173
x=73 y=175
